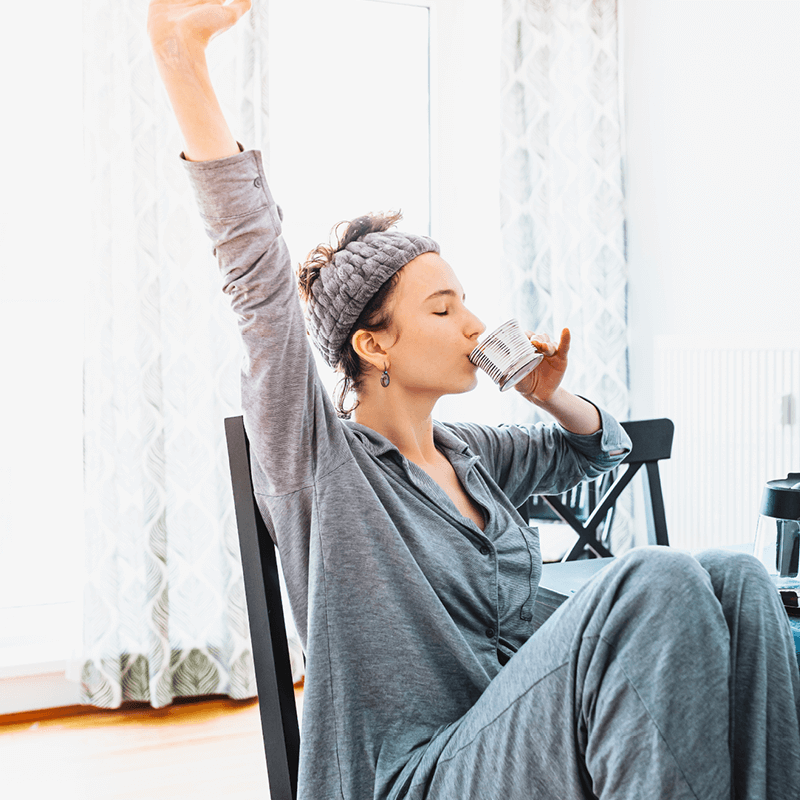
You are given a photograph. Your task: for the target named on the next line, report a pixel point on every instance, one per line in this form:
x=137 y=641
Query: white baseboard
x=32 y=692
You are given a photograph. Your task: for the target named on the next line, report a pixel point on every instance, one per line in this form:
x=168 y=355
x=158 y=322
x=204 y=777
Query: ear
x=369 y=347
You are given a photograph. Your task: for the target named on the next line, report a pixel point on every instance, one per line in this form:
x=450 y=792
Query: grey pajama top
x=404 y=607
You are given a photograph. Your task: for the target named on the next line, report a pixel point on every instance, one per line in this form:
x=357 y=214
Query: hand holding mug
x=540 y=385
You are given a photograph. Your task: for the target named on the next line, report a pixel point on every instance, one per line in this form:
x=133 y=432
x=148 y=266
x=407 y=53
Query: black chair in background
x=592 y=503
x=267 y=627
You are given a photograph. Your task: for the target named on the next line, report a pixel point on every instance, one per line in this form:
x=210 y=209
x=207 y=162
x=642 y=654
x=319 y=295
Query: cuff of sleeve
x=230 y=187
x=611 y=437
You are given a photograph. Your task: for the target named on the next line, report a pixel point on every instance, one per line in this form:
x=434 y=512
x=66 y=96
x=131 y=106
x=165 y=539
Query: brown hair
x=374 y=317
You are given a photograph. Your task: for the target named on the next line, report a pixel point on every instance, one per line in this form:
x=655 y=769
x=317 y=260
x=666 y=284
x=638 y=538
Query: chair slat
x=652 y=442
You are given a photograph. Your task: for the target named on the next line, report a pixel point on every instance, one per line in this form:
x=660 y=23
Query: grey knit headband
x=346 y=285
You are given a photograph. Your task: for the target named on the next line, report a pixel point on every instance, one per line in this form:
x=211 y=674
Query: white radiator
x=737 y=426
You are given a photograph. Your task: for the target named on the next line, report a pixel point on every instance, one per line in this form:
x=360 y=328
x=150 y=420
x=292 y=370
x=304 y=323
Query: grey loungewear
x=406 y=610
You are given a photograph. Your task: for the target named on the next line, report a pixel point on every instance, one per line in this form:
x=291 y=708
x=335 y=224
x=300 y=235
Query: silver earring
x=385 y=378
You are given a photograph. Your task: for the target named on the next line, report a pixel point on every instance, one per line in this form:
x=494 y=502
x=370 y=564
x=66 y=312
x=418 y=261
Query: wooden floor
x=204 y=750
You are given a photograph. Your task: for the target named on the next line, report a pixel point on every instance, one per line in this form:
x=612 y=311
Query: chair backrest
x=652 y=442
x=267 y=627
x=581 y=500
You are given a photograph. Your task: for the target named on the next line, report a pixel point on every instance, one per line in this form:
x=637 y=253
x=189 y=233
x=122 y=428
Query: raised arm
x=292 y=425
x=179 y=32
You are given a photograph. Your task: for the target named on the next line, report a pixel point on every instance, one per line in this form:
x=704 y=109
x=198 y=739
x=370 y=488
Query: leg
x=765 y=682
x=622 y=693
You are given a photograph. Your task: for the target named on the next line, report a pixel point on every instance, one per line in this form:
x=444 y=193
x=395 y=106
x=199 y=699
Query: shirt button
x=257 y=183
x=485 y=550
x=490 y=633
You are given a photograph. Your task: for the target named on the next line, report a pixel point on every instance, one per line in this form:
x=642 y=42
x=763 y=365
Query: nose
x=476 y=326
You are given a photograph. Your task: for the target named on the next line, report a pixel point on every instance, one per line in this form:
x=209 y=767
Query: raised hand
x=191 y=23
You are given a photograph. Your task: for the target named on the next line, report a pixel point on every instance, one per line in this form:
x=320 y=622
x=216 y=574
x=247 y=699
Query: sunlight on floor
x=202 y=750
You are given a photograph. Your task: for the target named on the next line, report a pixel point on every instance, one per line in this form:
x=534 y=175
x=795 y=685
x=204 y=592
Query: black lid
x=781 y=499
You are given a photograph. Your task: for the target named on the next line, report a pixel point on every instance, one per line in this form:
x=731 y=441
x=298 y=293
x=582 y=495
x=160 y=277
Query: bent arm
x=545 y=459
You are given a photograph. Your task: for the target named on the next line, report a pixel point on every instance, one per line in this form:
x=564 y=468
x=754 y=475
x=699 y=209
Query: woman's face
x=432 y=331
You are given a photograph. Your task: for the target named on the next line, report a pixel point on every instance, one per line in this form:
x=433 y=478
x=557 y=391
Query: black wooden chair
x=268 y=629
x=592 y=503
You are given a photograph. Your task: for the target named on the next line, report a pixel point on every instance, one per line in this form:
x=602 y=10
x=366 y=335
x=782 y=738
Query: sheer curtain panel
x=562 y=194
x=165 y=612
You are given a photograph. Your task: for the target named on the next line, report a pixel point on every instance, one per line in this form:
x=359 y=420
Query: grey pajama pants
x=665 y=676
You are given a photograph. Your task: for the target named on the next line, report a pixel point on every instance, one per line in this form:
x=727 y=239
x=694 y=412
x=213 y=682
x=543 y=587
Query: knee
x=729 y=567
x=657 y=585
x=661 y=576
x=663 y=567
x=727 y=561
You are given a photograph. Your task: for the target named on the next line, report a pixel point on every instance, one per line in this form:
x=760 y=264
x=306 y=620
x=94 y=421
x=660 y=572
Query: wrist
x=551 y=403
x=163 y=36
x=571 y=412
x=174 y=54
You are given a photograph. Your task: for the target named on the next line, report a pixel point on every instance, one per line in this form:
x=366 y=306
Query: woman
x=410 y=574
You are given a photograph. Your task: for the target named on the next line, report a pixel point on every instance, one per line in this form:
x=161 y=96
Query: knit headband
x=346 y=285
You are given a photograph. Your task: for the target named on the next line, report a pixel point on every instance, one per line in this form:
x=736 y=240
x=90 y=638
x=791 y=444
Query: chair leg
x=607 y=525
x=656 y=515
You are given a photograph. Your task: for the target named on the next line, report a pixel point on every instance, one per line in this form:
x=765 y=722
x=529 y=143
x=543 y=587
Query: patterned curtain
x=164 y=604
x=562 y=193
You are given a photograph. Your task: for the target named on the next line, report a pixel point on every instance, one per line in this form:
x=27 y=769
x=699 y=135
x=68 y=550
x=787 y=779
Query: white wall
x=712 y=95
x=41 y=351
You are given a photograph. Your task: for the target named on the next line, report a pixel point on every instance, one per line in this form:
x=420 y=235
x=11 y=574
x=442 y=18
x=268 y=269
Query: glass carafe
x=777 y=543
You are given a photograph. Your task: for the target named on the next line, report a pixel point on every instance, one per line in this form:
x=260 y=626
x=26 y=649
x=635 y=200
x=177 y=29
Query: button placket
x=526 y=609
